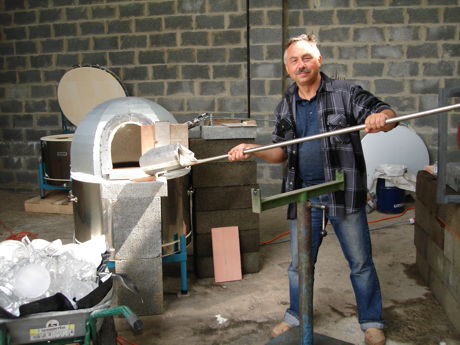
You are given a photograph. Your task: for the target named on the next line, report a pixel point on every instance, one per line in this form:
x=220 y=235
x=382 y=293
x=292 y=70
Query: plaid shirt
x=340 y=104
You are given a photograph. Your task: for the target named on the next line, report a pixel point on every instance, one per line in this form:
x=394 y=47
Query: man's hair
x=311 y=39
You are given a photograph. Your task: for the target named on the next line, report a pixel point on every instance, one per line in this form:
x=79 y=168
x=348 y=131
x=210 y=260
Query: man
x=316 y=104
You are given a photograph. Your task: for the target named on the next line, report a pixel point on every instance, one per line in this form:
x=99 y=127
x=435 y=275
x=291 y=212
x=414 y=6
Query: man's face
x=303 y=62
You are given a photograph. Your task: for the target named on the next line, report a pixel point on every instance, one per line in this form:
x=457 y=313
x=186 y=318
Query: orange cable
x=6 y=228
x=373 y=221
x=275 y=238
x=399 y=215
x=125 y=340
x=17 y=236
x=448 y=227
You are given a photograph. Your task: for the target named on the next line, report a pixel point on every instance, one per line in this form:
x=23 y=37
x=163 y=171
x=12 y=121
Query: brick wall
x=191 y=56
x=437 y=239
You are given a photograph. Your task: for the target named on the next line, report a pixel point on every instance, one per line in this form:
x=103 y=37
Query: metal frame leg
x=304 y=238
x=182 y=258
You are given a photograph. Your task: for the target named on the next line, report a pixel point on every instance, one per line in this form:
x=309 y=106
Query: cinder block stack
x=136 y=221
x=222 y=196
x=437 y=238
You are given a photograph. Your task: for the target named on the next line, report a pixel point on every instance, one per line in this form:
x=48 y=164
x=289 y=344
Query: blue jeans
x=353 y=234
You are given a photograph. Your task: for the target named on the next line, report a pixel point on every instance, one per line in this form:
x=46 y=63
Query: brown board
x=226 y=254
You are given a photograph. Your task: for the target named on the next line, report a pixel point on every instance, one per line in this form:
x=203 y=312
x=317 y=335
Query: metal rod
x=305 y=259
x=331 y=133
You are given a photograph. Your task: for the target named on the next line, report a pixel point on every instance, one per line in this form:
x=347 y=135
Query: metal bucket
x=93 y=214
x=56 y=158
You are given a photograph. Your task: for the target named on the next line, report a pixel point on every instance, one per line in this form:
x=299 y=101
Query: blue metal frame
x=182 y=258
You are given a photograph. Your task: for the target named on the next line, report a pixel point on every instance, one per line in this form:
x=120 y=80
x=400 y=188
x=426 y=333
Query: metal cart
x=84 y=326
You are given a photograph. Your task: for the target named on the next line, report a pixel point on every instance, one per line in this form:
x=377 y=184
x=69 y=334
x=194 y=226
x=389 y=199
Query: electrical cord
x=119 y=342
x=19 y=235
x=411 y=221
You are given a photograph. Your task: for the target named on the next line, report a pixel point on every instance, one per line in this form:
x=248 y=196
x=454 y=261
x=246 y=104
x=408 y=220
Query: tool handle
x=332 y=133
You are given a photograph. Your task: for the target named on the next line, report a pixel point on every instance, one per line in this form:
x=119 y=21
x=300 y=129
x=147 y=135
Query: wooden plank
x=226 y=254
x=218 y=121
x=147 y=138
x=55 y=202
x=179 y=134
x=239 y=124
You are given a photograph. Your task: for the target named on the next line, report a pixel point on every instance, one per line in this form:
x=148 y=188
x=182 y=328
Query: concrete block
x=212 y=88
x=449 y=242
x=223 y=174
x=388 y=86
x=402 y=69
x=456 y=251
x=114 y=190
x=250 y=262
x=223 y=198
x=422 y=266
x=204 y=267
x=451 y=278
x=238 y=54
x=147 y=275
x=210 y=22
x=421 y=240
x=226 y=71
x=373 y=69
x=442 y=68
x=436 y=231
x=453 y=176
x=422 y=215
x=244 y=218
x=427 y=50
x=137 y=228
x=200 y=104
x=224 y=132
x=426 y=189
x=206 y=149
x=266 y=35
x=389 y=16
x=220 y=38
x=447 y=301
x=435 y=258
x=450 y=214
x=422 y=15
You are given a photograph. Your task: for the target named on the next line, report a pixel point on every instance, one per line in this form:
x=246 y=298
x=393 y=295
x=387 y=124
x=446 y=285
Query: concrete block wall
x=437 y=239
x=222 y=198
x=218 y=56
x=137 y=240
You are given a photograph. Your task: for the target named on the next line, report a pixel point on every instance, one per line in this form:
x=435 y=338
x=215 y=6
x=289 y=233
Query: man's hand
x=376 y=122
x=236 y=153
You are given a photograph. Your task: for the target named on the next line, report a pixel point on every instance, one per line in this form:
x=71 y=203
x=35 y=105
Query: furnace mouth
x=109 y=137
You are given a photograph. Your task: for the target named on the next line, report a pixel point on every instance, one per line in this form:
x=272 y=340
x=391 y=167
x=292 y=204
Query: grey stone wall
x=191 y=56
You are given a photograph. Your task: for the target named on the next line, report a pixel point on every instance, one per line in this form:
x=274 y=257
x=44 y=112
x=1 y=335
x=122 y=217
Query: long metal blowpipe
x=332 y=133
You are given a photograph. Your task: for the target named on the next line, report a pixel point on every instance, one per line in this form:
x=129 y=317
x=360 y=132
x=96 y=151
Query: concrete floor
x=244 y=312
